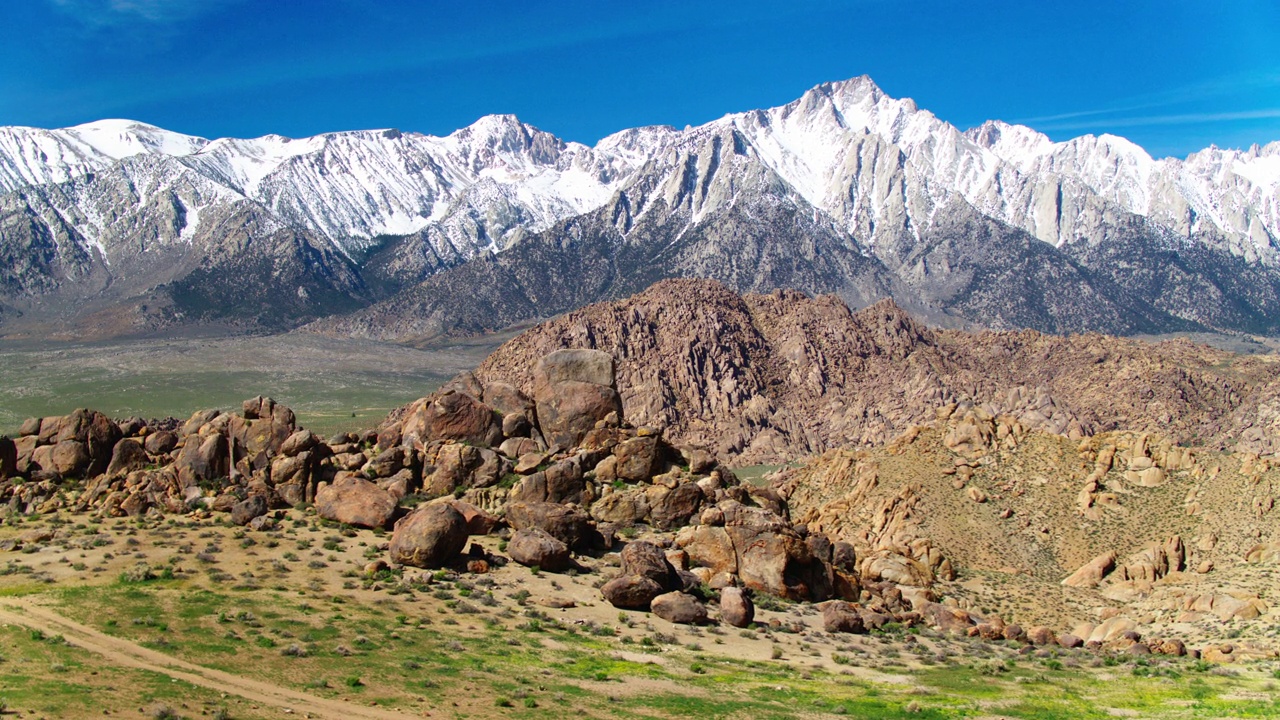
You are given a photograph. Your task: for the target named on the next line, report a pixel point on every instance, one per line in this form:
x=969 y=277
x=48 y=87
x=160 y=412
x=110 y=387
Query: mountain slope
x=843 y=190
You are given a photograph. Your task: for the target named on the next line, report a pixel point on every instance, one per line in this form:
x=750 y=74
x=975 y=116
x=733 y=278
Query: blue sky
x=1173 y=76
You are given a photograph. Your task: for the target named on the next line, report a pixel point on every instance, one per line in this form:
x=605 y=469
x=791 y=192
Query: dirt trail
x=21 y=611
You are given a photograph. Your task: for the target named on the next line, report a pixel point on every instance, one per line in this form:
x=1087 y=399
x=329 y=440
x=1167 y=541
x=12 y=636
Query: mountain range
x=118 y=228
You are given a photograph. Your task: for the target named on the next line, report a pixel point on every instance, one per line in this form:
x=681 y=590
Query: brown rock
x=1041 y=635
x=631 y=592
x=160 y=442
x=533 y=547
x=478 y=521
x=248 y=509
x=573 y=390
x=636 y=459
x=355 y=501
x=430 y=536
x=8 y=458
x=841 y=617
x=680 y=608
x=453 y=416
x=736 y=607
x=646 y=559
x=570 y=525
x=1092 y=572
x=127 y=456
x=1070 y=641
x=70 y=458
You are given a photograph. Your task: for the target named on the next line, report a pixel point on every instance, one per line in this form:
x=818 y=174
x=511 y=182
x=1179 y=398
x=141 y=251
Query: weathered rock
x=645 y=558
x=160 y=442
x=946 y=618
x=1092 y=572
x=8 y=458
x=573 y=390
x=671 y=508
x=680 y=608
x=736 y=607
x=1041 y=635
x=248 y=509
x=299 y=442
x=561 y=482
x=430 y=536
x=463 y=466
x=453 y=416
x=478 y=521
x=841 y=617
x=570 y=525
x=622 y=507
x=30 y=426
x=1070 y=641
x=355 y=501
x=636 y=459
x=70 y=458
x=631 y=592
x=533 y=547
x=127 y=456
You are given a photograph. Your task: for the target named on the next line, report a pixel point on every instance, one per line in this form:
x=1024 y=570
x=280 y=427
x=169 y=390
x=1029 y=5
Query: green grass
x=331 y=385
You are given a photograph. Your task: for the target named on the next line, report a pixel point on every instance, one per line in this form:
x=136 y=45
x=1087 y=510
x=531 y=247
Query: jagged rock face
x=844 y=190
x=764 y=378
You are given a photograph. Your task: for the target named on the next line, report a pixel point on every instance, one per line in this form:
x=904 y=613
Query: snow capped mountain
x=880 y=164
x=871 y=174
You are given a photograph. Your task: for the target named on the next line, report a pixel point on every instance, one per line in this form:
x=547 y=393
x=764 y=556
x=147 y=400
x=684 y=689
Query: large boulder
x=430 y=536
x=569 y=524
x=573 y=390
x=680 y=608
x=841 y=617
x=631 y=592
x=243 y=512
x=266 y=426
x=97 y=432
x=452 y=416
x=458 y=465
x=561 y=482
x=736 y=607
x=636 y=459
x=70 y=458
x=649 y=560
x=674 y=507
x=533 y=547
x=1092 y=572
x=160 y=442
x=355 y=501
x=128 y=455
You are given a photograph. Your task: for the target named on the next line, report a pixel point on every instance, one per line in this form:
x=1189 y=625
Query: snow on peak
x=120 y=139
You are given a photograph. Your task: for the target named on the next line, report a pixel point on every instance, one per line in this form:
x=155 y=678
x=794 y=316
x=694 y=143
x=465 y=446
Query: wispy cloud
x=1169 y=119
x=1117 y=115
x=109 y=13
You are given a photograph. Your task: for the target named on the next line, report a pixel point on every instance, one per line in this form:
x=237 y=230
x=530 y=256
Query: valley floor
x=189 y=617
x=331 y=384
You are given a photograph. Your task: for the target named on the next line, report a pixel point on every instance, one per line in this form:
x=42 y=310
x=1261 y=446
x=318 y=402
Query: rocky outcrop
x=766 y=378
x=430 y=536
x=534 y=547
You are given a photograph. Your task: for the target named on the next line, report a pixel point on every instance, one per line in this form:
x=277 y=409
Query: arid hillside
x=782 y=376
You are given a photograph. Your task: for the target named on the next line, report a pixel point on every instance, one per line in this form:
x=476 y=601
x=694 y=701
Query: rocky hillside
x=971 y=524
x=845 y=190
x=771 y=378
x=1118 y=531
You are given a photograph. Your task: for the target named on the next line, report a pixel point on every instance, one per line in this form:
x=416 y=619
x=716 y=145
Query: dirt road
x=21 y=611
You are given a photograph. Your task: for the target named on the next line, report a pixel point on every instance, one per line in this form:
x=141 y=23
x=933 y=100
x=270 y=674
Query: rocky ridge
x=773 y=378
